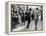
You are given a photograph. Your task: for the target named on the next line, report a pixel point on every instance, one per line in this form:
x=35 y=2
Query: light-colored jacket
x=35 y=14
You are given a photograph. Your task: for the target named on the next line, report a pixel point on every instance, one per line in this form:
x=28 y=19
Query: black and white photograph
x=26 y=17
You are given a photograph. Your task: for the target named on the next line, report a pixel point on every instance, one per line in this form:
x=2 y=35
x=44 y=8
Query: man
x=28 y=17
x=36 y=17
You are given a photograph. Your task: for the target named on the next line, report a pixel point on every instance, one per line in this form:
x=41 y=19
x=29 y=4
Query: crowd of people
x=19 y=17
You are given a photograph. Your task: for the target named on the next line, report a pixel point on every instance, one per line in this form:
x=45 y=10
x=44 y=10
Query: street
x=31 y=26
